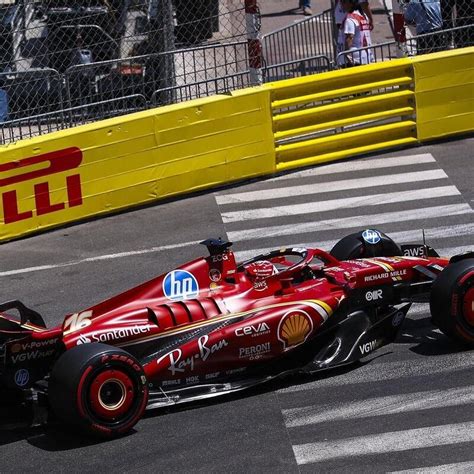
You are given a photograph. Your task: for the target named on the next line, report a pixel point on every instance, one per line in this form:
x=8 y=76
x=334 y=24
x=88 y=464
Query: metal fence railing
x=227 y=83
x=41 y=124
x=313 y=36
x=195 y=90
x=297 y=68
x=416 y=45
x=32 y=92
x=42 y=94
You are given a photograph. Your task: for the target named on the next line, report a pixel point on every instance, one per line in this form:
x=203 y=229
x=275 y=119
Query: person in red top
x=339 y=13
x=355 y=34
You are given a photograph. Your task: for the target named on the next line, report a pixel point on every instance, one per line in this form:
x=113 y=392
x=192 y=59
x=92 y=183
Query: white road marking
x=357 y=165
x=405 y=236
x=376 y=372
x=343 y=203
x=245 y=254
x=380 y=406
x=351 y=222
x=457 y=467
x=394 y=441
x=331 y=186
x=97 y=258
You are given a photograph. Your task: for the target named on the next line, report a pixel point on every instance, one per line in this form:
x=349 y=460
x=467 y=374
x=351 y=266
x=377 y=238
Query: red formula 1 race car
x=212 y=327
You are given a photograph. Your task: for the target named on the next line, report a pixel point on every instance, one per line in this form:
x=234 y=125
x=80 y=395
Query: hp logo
x=371 y=236
x=180 y=285
x=22 y=377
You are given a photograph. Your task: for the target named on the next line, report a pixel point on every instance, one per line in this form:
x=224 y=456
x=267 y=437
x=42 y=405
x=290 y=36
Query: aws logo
x=27 y=169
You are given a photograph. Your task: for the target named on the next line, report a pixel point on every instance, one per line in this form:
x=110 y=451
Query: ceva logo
x=180 y=285
x=60 y=161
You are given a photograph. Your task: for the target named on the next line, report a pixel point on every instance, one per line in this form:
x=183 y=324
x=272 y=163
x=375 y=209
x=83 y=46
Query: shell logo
x=294 y=328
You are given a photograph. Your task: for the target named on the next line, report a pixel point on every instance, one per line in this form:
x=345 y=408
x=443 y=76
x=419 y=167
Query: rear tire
x=452 y=301
x=355 y=246
x=100 y=388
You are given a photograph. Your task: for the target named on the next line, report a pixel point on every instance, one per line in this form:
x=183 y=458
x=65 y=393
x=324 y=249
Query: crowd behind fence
x=67 y=62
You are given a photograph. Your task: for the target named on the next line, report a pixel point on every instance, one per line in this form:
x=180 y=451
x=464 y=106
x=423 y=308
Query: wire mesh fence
x=297 y=68
x=61 y=119
x=427 y=18
x=70 y=54
x=69 y=62
x=416 y=45
x=194 y=90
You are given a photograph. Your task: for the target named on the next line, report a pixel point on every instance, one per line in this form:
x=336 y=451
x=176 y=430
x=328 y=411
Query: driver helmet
x=260 y=269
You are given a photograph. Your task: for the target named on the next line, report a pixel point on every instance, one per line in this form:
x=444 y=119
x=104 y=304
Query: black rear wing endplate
x=27 y=315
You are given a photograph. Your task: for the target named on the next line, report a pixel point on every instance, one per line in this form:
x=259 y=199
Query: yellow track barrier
x=140 y=158
x=342 y=113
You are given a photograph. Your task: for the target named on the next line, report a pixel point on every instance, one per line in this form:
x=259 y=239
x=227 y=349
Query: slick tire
x=452 y=301
x=99 y=388
x=353 y=246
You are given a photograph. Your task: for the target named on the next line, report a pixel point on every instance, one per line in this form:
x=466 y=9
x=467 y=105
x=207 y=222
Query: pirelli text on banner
x=23 y=176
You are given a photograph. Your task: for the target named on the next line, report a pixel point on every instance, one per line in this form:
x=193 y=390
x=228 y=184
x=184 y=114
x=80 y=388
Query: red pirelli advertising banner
x=41 y=171
x=123 y=162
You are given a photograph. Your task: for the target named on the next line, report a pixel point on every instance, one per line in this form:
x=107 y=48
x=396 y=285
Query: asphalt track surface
x=408 y=407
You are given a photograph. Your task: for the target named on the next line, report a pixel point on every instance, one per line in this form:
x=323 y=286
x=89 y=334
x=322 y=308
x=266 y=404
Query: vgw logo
x=13 y=173
x=371 y=236
x=180 y=285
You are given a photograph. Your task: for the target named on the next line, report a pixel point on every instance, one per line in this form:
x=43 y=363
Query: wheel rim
x=468 y=306
x=111 y=395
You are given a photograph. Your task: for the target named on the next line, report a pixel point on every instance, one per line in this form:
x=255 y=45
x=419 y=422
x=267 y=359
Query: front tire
x=101 y=389
x=452 y=301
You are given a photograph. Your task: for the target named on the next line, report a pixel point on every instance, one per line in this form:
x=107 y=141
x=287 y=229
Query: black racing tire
x=452 y=301
x=353 y=246
x=99 y=388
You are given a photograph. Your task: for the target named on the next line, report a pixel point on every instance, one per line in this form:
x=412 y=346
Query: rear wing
x=27 y=315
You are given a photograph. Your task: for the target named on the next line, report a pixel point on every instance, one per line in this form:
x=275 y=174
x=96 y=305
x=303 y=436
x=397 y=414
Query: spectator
x=367 y=12
x=306 y=4
x=425 y=15
x=356 y=34
x=464 y=18
x=339 y=13
x=339 y=17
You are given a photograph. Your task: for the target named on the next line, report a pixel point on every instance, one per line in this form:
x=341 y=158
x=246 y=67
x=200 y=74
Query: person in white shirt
x=340 y=14
x=355 y=34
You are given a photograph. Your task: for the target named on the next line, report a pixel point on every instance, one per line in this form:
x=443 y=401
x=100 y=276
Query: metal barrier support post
x=399 y=31
x=252 y=17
